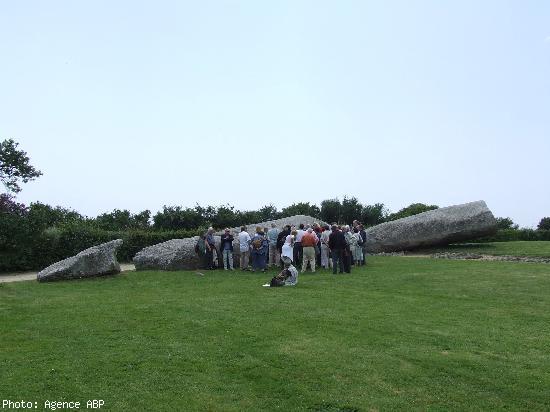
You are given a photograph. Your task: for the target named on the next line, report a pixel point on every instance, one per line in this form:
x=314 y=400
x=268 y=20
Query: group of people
x=337 y=247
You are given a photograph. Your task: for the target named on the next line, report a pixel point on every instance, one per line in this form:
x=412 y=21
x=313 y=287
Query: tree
x=505 y=223
x=15 y=167
x=544 y=224
x=208 y=213
x=331 y=210
x=123 y=220
x=412 y=210
x=42 y=216
x=9 y=205
x=351 y=210
x=302 y=208
x=248 y=216
x=175 y=217
x=372 y=215
x=268 y=212
x=225 y=217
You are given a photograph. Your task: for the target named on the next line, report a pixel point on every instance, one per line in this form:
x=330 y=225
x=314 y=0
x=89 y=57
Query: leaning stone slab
x=435 y=227
x=95 y=261
x=175 y=254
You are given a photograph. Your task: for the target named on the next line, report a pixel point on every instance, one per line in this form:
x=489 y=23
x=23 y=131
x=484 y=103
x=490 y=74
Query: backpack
x=200 y=247
x=257 y=243
x=276 y=283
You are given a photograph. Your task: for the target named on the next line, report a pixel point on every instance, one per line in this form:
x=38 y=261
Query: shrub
x=506 y=223
x=544 y=224
x=331 y=210
x=123 y=220
x=372 y=215
x=412 y=210
x=509 y=235
x=302 y=208
x=351 y=209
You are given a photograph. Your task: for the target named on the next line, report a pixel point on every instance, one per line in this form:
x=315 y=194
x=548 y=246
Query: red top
x=309 y=239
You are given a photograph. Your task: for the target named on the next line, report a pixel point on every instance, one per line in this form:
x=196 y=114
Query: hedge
x=22 y=247
x=510 y=235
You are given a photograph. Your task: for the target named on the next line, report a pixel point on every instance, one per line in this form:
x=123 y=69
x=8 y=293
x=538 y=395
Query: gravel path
x=18 y=277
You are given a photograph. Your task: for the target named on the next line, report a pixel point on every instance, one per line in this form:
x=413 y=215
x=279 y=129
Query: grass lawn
x=401 y=333
x=518 y=248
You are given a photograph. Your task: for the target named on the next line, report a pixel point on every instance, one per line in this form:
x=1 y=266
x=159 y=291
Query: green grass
x=517 y=248
x=402 y=333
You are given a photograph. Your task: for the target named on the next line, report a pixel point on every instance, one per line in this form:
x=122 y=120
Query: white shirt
x=299 y=235
x=293 y=279
x=288 y=249
x=325 y=236
x=244 y=239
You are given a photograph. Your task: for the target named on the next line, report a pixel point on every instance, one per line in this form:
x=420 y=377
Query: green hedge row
x=22 y=247
x=510 y=235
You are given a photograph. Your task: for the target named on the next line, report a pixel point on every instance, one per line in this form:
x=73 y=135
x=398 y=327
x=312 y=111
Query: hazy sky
x=136 y=105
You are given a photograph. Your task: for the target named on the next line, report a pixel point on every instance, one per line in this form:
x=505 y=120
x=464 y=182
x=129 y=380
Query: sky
x=135 y=105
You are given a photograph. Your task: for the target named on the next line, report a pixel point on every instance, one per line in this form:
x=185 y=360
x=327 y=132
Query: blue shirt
x=272 y=236
x=210 y=239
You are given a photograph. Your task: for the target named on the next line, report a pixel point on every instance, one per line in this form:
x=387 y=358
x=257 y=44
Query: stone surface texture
x=175 y=254
x=179 y=254
x=280 y=223
x=435 y=227
x=98 y=260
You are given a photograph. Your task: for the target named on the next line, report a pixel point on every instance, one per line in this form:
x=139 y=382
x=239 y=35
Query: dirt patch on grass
x=21 y=276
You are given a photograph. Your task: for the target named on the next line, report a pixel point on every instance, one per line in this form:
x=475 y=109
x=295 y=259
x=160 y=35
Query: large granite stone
x=175 y=254
x=95 y=261
x=179 y=254
x=435 y=227
x=280 y=223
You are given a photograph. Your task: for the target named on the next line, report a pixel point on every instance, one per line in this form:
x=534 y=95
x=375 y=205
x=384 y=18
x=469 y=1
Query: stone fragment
x=98 y=260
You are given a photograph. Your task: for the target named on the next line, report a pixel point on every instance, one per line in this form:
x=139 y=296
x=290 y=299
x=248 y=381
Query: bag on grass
x=276 y=282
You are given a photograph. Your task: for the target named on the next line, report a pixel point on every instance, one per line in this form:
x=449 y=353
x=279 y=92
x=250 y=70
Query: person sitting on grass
x=287 y=277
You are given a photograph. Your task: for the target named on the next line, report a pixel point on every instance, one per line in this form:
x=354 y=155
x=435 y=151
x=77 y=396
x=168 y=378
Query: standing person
x=272 y=237
x=281 y=240
x=363 y=234
x=267 y=250
x=298 y=251
x=337 y=244
x=318 y=230
x=259 y=250
x=288 y=248
x=226 y=247
x=309 y=240
x=200 y=249
x=357 y=246
x=210 y=249
x=244 y=247
x=325 y=251
x=349 y=239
